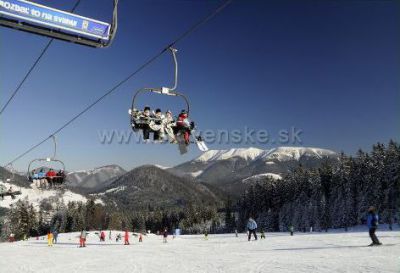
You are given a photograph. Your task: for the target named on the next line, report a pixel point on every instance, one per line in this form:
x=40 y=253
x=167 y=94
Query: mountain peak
x=295 y=153
x=90 y=179
x=245 y=153
x=149 y=185
x=111 y=167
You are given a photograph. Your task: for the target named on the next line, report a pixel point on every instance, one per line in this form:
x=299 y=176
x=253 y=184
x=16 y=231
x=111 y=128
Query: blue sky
x=329 y=68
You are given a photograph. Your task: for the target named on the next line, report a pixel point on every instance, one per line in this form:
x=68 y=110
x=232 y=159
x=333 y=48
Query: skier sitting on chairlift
x=135 y=113
x=60 y=177
x=42 y=178
x=169 y=125
x=50 y=176
x=184 y=126
x=144 y=123
x=34 y=177
x=157 y=125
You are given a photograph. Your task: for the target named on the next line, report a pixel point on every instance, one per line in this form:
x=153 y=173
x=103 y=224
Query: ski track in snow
x=316 y=252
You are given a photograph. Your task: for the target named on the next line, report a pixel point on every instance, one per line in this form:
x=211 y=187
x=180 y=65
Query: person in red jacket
x=126 y=237
x=184 y=126
x=50 y=175
x=102 y=236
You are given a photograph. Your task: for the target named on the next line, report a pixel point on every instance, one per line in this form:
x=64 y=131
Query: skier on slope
x=82 y=238
x=291 y=230
x=252 y=228
x=102 y=236
x=262 y=234
x=49 y=239
x=126 y=237
x=11 y=238
x=55 y=236
x=165 y=235
x=372 y=222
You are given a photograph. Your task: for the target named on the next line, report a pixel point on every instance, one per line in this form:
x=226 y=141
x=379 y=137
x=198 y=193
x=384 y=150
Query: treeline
x=332 y=196
x=24 y=220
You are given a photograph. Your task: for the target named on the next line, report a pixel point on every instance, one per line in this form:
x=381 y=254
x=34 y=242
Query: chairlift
x=141 y=121
x=45 y=176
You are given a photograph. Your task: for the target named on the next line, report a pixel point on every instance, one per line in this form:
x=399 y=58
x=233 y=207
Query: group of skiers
x=83 y=235
x=162 y=125
x=372 y=223
x=42 y=179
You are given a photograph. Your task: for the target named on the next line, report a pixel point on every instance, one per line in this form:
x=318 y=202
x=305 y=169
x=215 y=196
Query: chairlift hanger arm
x=169 y=90
x=173 y=51
x=55 y=147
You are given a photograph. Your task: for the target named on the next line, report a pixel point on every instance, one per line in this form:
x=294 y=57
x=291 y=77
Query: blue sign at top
x=40 y=15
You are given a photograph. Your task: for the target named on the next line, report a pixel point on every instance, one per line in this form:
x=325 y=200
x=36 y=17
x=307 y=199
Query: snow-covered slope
x=259 y=177
x=35 y=196
x=222 y=253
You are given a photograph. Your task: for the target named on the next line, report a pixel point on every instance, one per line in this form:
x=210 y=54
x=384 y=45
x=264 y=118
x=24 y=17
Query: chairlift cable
x=33 y=66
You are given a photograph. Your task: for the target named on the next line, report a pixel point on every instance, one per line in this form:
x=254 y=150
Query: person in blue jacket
x=372 y=222
x=252 y=228
x=42 y=178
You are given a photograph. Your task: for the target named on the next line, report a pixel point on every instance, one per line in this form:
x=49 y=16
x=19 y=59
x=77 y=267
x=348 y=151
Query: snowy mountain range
x=226 y=167
x=206 y=177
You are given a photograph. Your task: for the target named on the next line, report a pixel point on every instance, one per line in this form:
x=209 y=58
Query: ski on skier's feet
x=200 y=142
